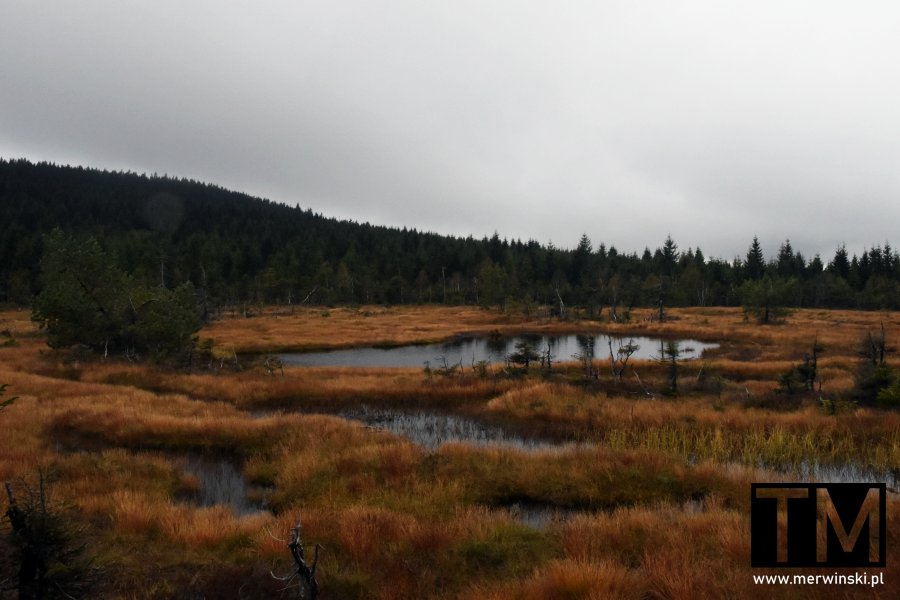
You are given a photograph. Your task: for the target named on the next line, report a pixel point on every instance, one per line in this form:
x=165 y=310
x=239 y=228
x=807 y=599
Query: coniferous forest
x=234 y=248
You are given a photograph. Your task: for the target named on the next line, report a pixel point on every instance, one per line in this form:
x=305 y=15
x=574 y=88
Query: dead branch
x=562 y=307
x=311 y=292
x=304 y=570
x=619 y=360
x=641 y=382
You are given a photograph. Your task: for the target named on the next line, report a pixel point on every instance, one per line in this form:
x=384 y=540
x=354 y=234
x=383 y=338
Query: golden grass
x=571 y=580
x=664 y=551
x=316 y=328
x=703 y=427
x=400 y=522
x=321 y=389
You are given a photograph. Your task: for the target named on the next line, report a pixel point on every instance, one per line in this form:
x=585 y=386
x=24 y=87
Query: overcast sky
x=711 y=121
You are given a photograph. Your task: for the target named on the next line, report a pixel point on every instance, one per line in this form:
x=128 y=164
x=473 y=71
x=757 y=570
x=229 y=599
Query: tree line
x=233 y=248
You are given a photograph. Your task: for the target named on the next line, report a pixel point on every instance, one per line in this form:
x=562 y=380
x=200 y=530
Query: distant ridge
x=239 y=248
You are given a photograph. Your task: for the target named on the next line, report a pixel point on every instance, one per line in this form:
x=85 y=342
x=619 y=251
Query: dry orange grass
x=591 y=477
x=377 y=552
x=569 y=580
x=126 y=423
x=549 y=402
x=17 y=324
x=838 y=330
x=663 y=551
x=326 y=459
x=22 y=444
x=316 y=328
x=398 y=521
x=322 y=389
x=703 y=427
x=307 y=328
x=136 y=514
x=681 y=554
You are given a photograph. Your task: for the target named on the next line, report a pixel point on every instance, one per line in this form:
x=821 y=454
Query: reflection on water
x=431 y=430
x=539 y=516
x=220 y=482
x=469 y=350
x=846 y=473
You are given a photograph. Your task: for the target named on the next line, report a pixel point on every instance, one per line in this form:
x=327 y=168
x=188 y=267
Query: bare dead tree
x=586 y=356
x=562 y=306
x=305 y=571
x=587 y=360
x=480 y=368
x=311 y=292
x=618 y=360
x=874 y=347
x=613 y=303
x=547 y=358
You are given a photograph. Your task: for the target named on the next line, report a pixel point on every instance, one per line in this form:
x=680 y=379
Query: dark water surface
x=431 y=430
x=221 y=483
x=468 y=350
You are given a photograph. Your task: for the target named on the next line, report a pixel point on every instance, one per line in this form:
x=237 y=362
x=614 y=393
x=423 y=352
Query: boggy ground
x=652 y=490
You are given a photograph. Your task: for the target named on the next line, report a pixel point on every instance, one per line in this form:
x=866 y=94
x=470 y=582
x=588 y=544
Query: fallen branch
x=638 y=377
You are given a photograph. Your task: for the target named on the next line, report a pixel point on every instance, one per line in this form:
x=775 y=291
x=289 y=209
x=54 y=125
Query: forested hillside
x=237 y=249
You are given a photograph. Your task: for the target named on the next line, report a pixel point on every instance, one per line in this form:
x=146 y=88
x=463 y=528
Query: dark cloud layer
x=710 y=121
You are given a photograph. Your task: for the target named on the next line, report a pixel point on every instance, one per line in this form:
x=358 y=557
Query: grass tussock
x=314 y=389
x=140 y=420
x=568 y=579
x=585 y=478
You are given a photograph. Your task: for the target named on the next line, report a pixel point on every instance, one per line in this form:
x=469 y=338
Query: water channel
x=431 y=430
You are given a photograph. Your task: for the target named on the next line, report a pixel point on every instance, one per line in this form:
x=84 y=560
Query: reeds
x=704 y=427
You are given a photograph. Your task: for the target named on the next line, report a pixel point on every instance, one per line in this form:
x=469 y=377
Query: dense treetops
x=232 y=248
x=87 y=299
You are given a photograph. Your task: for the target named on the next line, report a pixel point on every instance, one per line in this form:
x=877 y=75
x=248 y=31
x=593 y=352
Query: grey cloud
x=629 y=121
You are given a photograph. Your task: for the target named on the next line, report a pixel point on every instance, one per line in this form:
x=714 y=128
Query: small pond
x=469 y=350
x=220 y=482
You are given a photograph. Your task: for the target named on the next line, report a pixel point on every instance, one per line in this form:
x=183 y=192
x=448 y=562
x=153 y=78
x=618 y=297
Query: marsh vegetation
x=556 y=482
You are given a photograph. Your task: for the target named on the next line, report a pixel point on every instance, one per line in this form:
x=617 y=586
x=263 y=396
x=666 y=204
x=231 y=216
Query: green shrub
x=85 y=299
